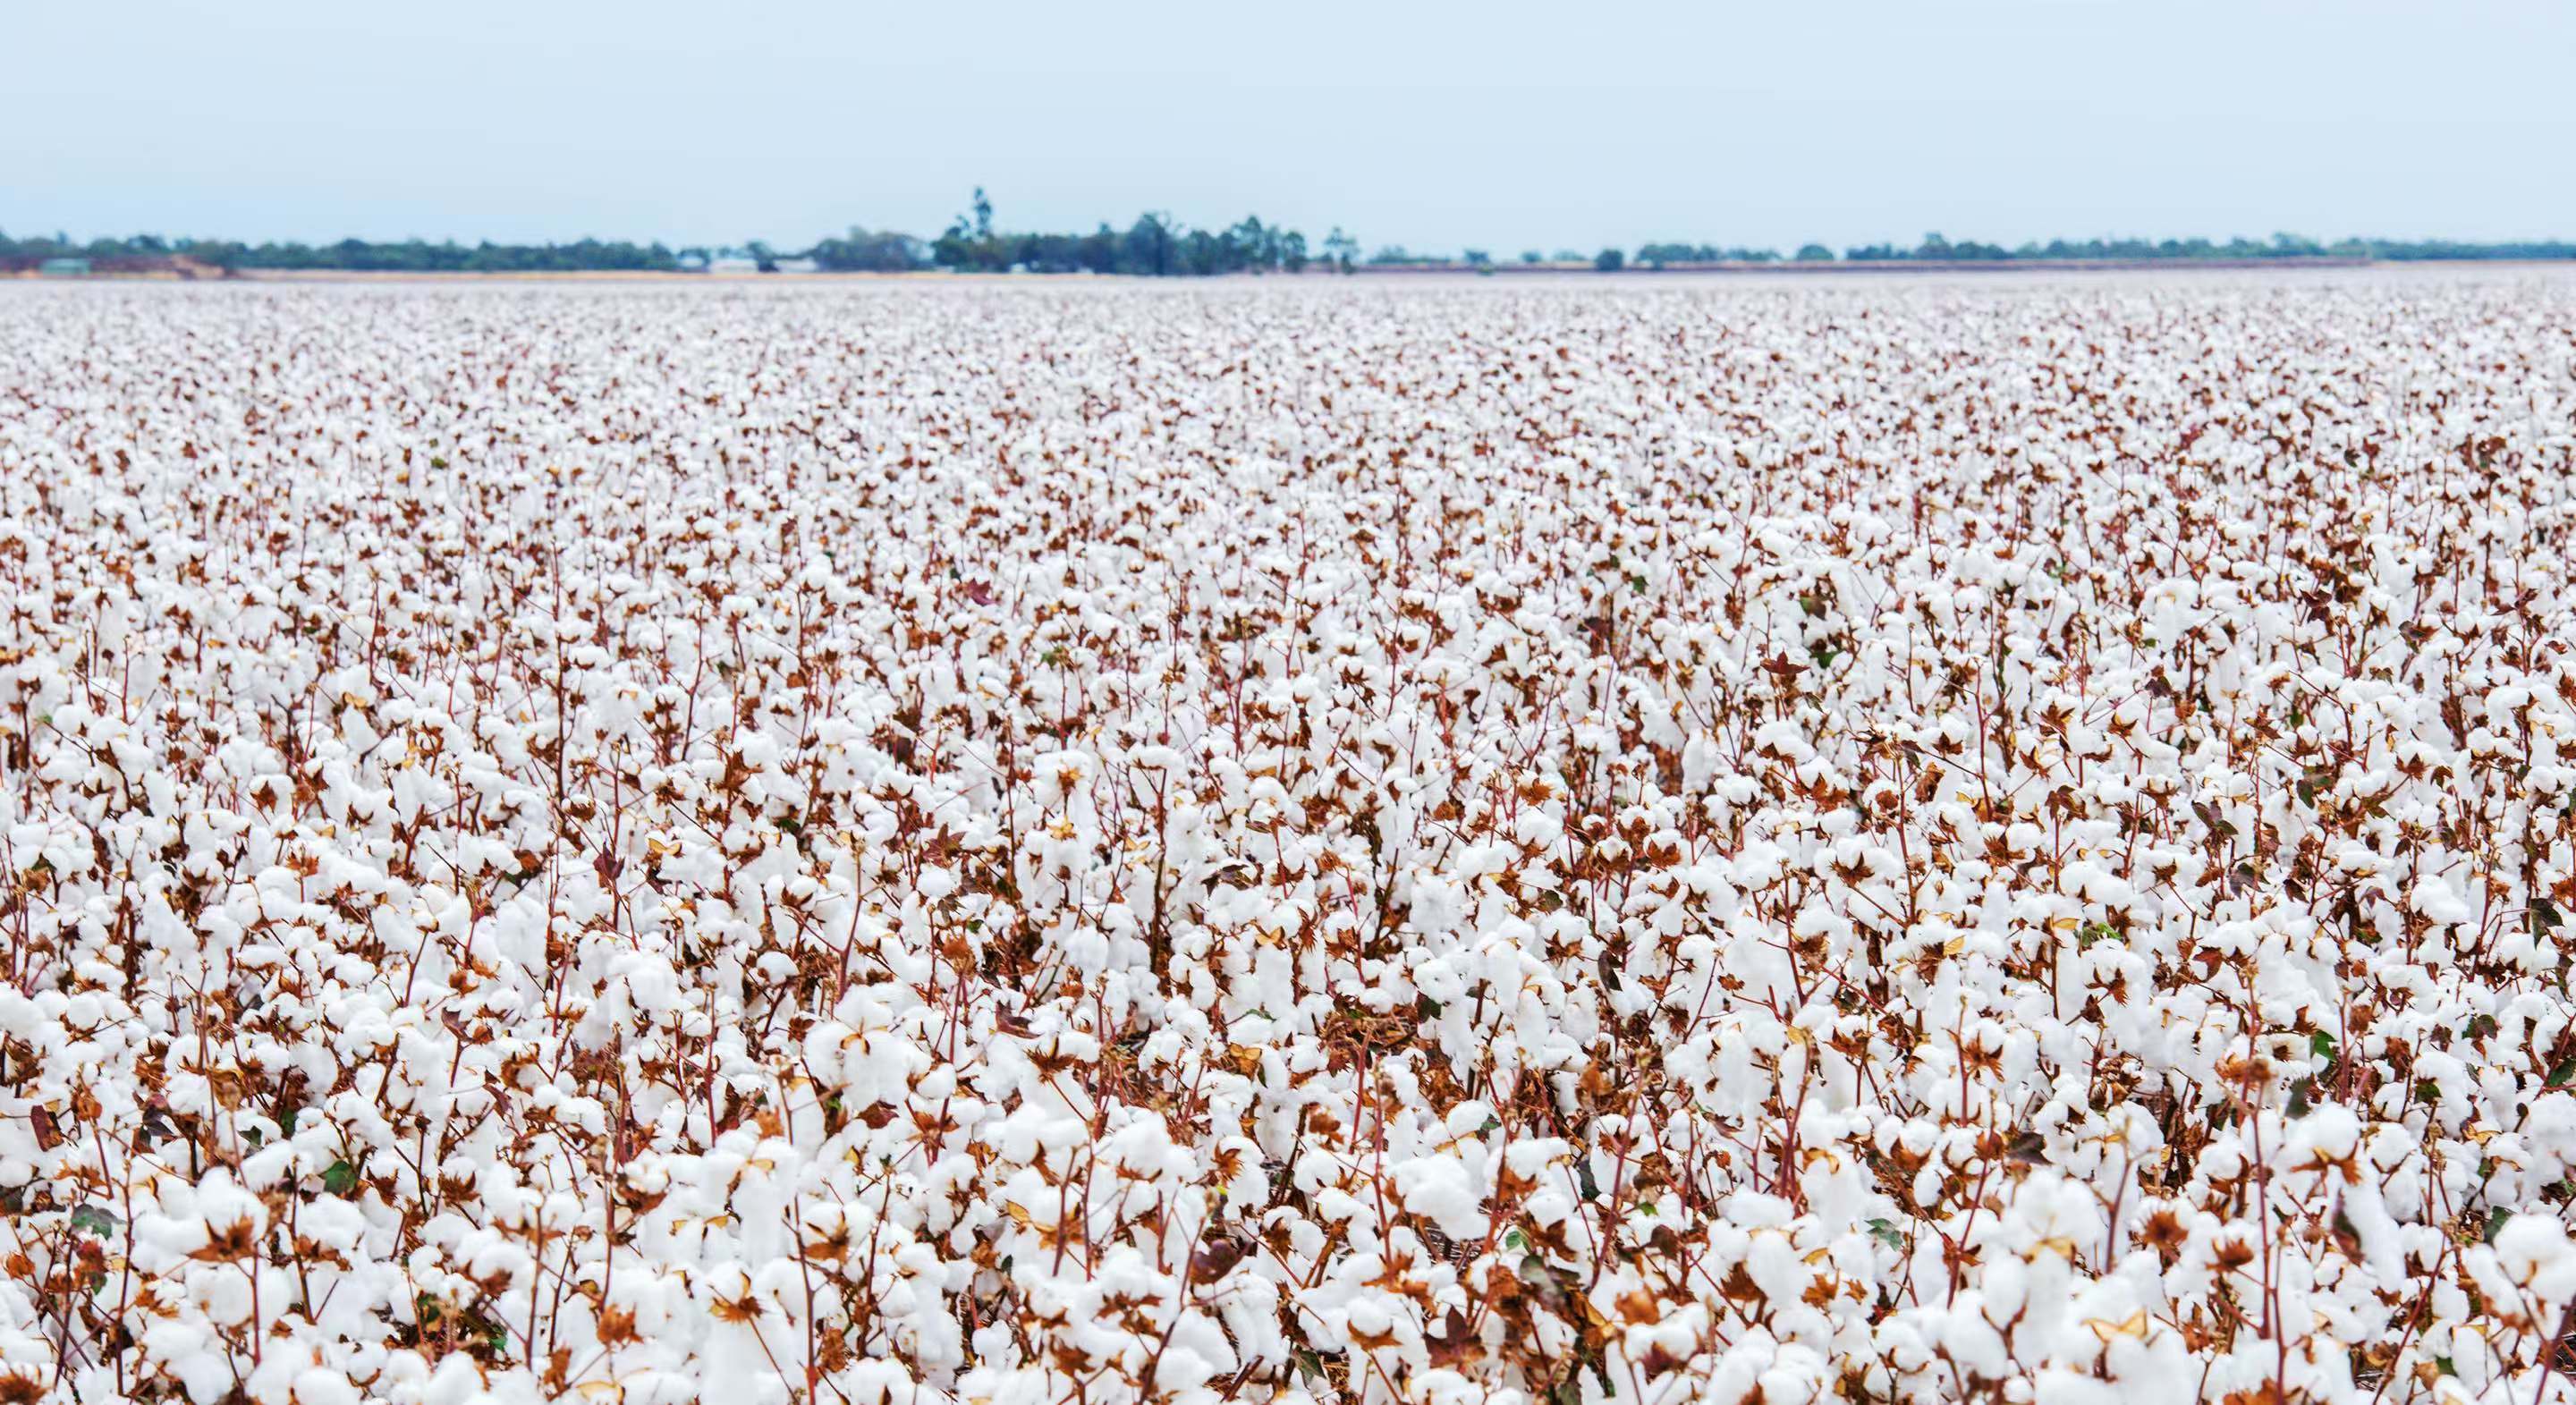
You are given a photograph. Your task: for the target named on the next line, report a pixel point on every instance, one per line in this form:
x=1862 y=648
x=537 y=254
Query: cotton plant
x=1315 y=844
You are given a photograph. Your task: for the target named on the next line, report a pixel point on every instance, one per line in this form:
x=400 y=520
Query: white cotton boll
x=2062 y=1387
x=1440 y=1189
x=331 y=1222
x=1967 y=1334
x=1755 y=1210
x=323 y=1386
x=2440 y=902
x=190 y=1351
x=1470 y=1118
x=1182 y=1369
x=1776 y=1267
x=455 y=1382
x=20 y=1017
x=2330 y=1134
x=1530 y=1157
x=2534 y=1250
x=270 y=1166
x=224 y=1298
x=518 y=933
x=1061 y=774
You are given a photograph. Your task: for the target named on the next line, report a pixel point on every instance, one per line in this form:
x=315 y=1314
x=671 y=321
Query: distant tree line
x=1936 y=249
x=350 y=255
x=1154 y=245
x=1657 y=255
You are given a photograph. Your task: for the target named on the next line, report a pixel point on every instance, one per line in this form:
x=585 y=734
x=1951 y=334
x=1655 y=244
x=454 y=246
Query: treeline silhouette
x=349 y=255
x=1153 y=245
x=1935 y=249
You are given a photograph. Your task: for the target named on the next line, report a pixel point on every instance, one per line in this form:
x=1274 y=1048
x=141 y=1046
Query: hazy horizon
x=1506 y=126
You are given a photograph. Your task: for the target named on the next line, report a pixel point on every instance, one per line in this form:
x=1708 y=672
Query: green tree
x=1148 y=247
x=863 y=252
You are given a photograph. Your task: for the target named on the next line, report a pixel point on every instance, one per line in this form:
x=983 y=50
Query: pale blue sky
x=1504 y=124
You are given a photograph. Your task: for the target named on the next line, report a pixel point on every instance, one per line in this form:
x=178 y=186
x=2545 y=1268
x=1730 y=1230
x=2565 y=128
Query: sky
x=1501 y=125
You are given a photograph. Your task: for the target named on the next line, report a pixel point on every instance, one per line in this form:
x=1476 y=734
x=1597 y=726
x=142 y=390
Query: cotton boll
x=2534 y=1251
x=1439 y=1189
x=2439 y=902
x=323 y=1386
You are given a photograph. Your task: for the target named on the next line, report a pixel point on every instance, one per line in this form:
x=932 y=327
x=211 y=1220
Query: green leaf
x=2559 y=1076
x=2497 y=1219
x=1885 y=1232
x=96 y=1219
x=340 y=1178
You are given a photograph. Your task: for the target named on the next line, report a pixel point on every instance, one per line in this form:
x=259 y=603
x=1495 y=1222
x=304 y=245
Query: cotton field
x=1290 y=841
